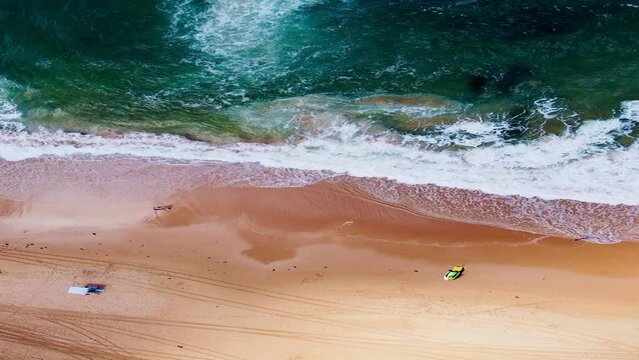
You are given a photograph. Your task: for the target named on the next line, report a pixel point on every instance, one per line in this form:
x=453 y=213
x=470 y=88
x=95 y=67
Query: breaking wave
x=585 y=164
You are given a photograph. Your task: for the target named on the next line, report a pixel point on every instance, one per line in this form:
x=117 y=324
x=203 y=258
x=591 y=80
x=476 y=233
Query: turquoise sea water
x=183 y=66
x=535 y=98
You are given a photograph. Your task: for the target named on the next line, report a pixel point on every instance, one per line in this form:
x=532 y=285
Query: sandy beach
x=315 y=272
x=293 y=180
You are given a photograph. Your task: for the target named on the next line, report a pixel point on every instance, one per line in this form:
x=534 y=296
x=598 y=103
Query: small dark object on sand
x=95 y=288
x=163 y=207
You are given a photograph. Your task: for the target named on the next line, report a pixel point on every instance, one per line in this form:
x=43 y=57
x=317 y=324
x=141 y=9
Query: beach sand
x=314 y=272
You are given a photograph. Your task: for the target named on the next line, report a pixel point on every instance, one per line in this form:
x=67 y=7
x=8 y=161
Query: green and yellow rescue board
x=454 y=273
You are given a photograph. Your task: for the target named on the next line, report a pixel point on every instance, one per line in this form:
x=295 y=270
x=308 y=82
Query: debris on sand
x=163 y=207
x=86 y=290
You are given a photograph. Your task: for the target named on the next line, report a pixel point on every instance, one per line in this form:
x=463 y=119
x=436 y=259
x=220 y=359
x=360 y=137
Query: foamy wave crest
x=584 y=165
x=551 y=108
x=241 y=36
x=8 y=110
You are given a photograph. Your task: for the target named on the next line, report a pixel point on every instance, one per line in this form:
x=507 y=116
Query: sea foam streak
x=8 y=110
x=240 y=36
x=579 y=166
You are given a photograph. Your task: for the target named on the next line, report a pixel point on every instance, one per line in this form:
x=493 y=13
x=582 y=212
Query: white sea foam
x=583 y=165
x=9 y=113
x=8 y=110
x=242 y=35
x=550 y=108
x=469 y=133
x=630 y=110
x=10 y=125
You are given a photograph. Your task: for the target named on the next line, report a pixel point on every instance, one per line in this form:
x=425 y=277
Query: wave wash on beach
x=493 y=100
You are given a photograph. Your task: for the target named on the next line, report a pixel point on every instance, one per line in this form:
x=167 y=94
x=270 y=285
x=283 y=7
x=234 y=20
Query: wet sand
x=316 y=272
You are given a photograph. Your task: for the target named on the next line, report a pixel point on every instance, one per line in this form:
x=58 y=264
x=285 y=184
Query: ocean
x=533 y=99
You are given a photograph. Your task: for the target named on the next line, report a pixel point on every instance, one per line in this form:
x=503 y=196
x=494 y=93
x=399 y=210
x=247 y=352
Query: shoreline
x=313 y=272
x=109 y=180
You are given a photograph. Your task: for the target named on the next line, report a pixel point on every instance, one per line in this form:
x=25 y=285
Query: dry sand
x=320 y=272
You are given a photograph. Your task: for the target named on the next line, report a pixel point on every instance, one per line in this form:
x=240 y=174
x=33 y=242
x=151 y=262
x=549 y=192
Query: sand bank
x=316 y=272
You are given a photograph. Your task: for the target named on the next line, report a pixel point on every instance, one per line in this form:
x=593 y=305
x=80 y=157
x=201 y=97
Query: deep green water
x=220 y=68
